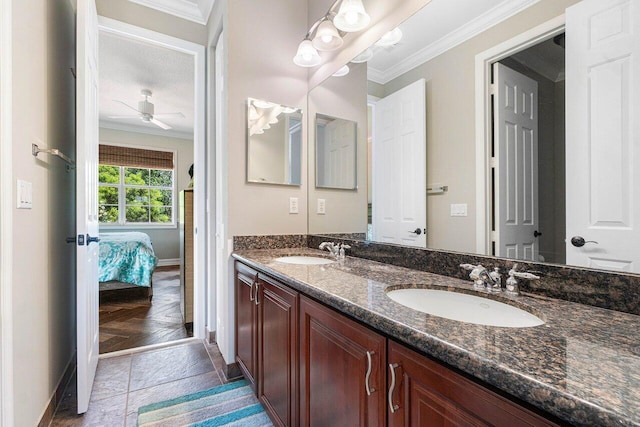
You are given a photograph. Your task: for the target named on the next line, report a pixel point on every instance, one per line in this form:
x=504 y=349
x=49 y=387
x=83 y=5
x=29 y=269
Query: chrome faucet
x=512 y=281
x=336 y=250
x=483 y=279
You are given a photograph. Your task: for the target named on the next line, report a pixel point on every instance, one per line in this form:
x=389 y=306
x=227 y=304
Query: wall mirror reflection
x=521 y=131
x=274 y=143
x=336 y=147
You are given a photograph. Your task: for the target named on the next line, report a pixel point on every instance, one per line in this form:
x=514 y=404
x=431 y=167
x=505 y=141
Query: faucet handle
x=467 y=267
x=521 y=274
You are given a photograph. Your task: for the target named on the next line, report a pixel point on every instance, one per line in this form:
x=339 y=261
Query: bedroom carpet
x=139 y=322
x=232 y=405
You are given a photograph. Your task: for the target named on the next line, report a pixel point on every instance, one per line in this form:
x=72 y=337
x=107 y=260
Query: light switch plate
x=459 y=209
x=24 y=194
x=293 y=205
x=322 y=206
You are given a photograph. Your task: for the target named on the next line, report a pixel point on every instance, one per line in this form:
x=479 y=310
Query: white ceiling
x=437 y=27
x=128 y=66
x=192 y=10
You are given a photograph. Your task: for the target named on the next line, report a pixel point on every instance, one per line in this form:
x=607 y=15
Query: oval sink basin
x=465 y=308
x=304 y=260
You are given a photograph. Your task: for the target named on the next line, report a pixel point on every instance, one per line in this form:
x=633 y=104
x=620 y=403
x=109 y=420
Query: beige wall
x=262 y=38
x=451 y=127
x=151 y=19
x=43 y=111
x=165 y=241
x=345 y=98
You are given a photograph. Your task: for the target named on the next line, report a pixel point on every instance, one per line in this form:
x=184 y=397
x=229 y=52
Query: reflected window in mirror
x=274 y=143
x=336 y=148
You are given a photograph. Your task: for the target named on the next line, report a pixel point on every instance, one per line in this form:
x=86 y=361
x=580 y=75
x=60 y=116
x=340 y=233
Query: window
x=135 y=188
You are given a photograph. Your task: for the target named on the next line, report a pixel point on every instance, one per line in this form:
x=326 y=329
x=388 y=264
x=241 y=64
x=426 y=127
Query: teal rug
x=231 y=405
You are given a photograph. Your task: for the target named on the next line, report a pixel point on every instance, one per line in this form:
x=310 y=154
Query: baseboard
x=210 y=335
x=231 y=372
x=168 y=262
x=58 y=393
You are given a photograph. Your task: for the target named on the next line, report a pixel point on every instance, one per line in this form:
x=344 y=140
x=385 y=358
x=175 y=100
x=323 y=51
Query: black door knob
x=578 y=241
x=537 y=233
x=417 y=231
x=91 y=239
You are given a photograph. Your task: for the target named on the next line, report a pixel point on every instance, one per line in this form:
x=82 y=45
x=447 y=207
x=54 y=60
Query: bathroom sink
x=464 y=308
x=304 y=260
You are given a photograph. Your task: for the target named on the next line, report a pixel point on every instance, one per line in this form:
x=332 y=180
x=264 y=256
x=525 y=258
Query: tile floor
x=125 y=383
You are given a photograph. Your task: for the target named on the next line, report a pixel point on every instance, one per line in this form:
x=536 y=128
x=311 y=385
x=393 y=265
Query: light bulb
x=326 y=38
x=351 y=16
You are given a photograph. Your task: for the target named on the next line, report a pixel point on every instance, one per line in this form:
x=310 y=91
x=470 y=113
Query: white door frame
x=483 y=64
x=199 y=149
x=6 y=219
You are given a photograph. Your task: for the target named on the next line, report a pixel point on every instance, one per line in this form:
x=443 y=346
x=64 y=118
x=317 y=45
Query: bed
x=126 y=262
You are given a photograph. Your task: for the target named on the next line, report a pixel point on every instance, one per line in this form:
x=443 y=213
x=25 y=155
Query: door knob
x=579 y=241
x=92 y=239
x=537 y=233
x=417 y=231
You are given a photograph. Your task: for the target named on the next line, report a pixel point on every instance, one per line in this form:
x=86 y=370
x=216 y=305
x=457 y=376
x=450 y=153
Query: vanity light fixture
x=307 y=55
x=364 y=56
x=351 y=16
x=342 y=71
x=391 y=38
x=327 y=37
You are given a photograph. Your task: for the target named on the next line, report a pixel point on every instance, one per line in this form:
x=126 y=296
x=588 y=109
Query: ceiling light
x=351 y=16
x=327 y=37
x=364 y=56
x=391 y=38
x=342 y=72
x=307 y=55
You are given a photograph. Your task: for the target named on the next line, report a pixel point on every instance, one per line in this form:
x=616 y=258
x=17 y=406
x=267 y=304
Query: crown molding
x=149 y=131
x=184 y=9
x=492 y=17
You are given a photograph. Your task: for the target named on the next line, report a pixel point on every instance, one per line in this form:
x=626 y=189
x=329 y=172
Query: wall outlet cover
x=322 y=206
x=24 y=194
x=293 y=205
x=459 y=209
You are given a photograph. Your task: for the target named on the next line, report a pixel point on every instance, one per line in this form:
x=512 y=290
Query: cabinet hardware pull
x=256 y=297
x=392 y=407
x=253 y=283
x=368 y=375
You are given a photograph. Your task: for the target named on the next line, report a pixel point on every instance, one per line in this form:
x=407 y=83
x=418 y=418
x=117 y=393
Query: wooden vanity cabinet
x=426 y=393
x=246 y=322
x=278 y=350
x=267 y=342
x=339 y=360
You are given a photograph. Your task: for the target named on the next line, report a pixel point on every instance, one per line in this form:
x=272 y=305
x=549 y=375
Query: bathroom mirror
x=512 y=182
x=274 y=143
x=336 y=148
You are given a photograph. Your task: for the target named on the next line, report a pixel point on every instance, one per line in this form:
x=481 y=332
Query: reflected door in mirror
x=336 y=146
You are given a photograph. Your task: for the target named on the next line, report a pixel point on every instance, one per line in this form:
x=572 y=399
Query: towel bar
x=35 y=150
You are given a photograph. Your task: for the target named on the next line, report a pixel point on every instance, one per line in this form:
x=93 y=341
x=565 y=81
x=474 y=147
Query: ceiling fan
x=145 y=112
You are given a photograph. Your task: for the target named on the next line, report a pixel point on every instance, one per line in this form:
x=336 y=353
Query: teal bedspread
x=126 y=257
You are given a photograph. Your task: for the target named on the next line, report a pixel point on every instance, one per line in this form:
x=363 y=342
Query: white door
x=603 y=134
x=399 y=177
x=516 y=163
x=87 y=198
x=340 y=154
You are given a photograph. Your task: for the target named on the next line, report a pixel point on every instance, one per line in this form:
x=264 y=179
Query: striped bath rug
x=231 y=405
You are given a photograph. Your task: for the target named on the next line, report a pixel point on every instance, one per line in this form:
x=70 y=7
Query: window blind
x=134 y=157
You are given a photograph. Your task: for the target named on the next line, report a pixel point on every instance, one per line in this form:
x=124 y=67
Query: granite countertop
x=582 y=365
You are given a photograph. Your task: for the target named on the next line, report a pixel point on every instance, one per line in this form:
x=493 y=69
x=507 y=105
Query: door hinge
x=493 y=236
x=493 y=162
x=493 y=89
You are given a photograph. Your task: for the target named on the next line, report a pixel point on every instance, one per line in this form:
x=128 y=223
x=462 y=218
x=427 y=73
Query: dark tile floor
x=125 y=383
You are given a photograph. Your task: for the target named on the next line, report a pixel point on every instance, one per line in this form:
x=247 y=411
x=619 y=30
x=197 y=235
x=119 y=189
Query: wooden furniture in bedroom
x=186 y=256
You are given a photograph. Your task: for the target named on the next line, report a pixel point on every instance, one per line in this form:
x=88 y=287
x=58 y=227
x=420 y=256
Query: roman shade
x=134 y=157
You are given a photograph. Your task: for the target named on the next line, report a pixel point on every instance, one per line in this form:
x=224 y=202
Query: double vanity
x=358 y=342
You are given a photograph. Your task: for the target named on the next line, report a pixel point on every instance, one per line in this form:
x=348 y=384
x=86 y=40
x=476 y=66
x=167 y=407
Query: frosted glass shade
x=391 y=38
x=307 y=55
x=342 y=71
x=327 y=37
x=351 y=16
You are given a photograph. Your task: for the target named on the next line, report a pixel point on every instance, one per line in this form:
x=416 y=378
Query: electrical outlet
x=24 y=194
x=322 y=206
x=293 y=205
x=459 y=209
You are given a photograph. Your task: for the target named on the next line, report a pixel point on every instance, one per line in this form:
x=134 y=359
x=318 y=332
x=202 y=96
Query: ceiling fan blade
x=160 y=124
x=131 y=116
x=126 y=105
x=169 y=116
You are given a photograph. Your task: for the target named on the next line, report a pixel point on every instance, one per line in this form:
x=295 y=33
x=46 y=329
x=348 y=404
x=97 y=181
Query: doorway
x=152 y=107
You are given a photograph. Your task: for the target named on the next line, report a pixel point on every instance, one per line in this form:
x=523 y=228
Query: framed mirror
x=274 y=143
x=336 y=149
x=515 y=182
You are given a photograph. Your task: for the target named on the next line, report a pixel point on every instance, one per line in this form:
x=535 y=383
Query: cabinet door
x=426 y=393
x=246 y=321
x=342 y=373
x=277 y=350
